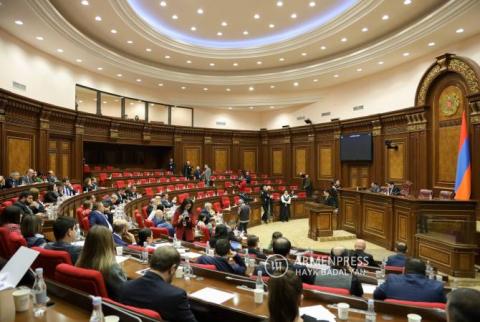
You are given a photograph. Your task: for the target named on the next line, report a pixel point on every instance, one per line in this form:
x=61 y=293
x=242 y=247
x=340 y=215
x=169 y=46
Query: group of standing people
x=190 y=173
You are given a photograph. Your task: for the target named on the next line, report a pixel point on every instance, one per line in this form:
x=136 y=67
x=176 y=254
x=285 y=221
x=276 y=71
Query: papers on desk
x=368 y=288
x=161 y=245
x=190 y=255
x=318 y=312
x=79 y=243
x=212 y=295
x=121 y=259
x=16 y=267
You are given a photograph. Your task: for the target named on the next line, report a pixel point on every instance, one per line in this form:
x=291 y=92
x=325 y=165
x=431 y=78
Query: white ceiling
x=283 y=65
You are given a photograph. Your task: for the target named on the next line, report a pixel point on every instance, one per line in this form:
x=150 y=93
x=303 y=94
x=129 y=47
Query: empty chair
x=157 y=232
x=149 y=191
x=217 y=207
x=49 y=259
x=281 y=188
x=236 y=199
x=130 y=182
x=425 y=194
x=201 y=185
x=87 y=280
x=102 y=177
x=144 y=212
x=85 y=224
x=220 y=192
x=294 y=187
x=254 y=183
x=333 y=290
x=191 y=186
x=302 y=194
x=170 y=188
x=278 y=181
x=225 y=202
x=157 y=173
x=10 y=242
x=139 y=219
x=143 y=181
x=152 y=180
x=160 y=189
x=97 y=168
x=446 y=195
x=120 y=184
x=248 y=190
x=228 y=184
x=256 y=189
x=200 y=195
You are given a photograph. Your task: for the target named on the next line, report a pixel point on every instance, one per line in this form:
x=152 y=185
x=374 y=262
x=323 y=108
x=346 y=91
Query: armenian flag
x=464 y=169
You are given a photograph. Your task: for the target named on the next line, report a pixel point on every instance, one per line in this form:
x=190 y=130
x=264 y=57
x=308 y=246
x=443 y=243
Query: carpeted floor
x=297 y=232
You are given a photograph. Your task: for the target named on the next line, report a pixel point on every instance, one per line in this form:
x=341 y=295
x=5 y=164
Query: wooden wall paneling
x=20 y=152
x=300 y=160
x=192 y=154
x=249 y=158
x=396 y=160
x=77 y=151
x=43 y=137
x=235 y=159
x=264 y=158
x=475 y=153
x=208 y=151
x=179 y=152
x=221 y=155
x=3 y=137
x=326 y=166
x=288 y=158
x=377 y=173
x=277 y=155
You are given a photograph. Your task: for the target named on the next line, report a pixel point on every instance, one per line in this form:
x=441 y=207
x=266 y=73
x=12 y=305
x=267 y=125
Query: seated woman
x=31 y=228
x=285 y=297
x=37 y=206
x=88 y=185
x=222 y=232
x=144 y=235
x=99 y=253
x=10 y=218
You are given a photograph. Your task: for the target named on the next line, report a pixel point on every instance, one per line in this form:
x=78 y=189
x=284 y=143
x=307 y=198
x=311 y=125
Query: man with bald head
x=360 y=257
x=462 y=305
x=399 y=258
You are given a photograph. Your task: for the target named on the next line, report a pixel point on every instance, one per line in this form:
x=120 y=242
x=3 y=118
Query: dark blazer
x=11 y=183
x=114 y=281
x=223 y=265
x=257 y=252
x=118 y=240
x=362 y=257
x=410 y=287
x=97 y=218
x=73 y=250
x=36 y=241
x=50 y=196
x=152 y=292
x=26 y=180
x=397 y=260
x=395 y=191
x=26 y=210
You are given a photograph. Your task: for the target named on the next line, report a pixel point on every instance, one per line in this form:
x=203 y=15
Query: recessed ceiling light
x=200 y=11
x=39 y=38
x=272 y=107
x=312 y=4
x=104 y=102
x=359 y=69
x=228 y=89
x=271 y=25
x=250 y=107
x=167 y=57
x=323 y=47
x=380 y=63
x=113 y=31
x=148 y=49
x=336 y=75
x=60 y=50
x=139 y=80
x=256 y=16
x=119 y=75
x=189 y=61
x=235 y=64
x=163 y=3
x=272 y=86
x=224 y=23
x=304 y=54
x=259 y=62
x=84 y=2
x=296 y=84
x=460 y=30
x=19 y=22
x=193 y=28
x=245 y=32
x=98 y=18
x=78 y=60
x=212 y=64
x=293 y=16
x=160 y=84
x=251 y=88
x=279 y=3
x=99 y=68
x=229 y=107
x=431 y=44
x=364 y=29
x=406 y=54
x=205 y=89
x=183 y=87
x=281 y=59
x=131 y=103
x=407 y=2
x=315 y=80
x=129 y=42
x=219 y=33
x=385 y=17
x=80 y=101
x=174 y=17
x=343 y=39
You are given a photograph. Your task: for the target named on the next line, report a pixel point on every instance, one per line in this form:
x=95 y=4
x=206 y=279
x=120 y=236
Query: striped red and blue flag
x=463 y=184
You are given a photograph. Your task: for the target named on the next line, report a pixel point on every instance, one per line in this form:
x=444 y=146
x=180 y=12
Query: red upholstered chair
x=120 y=184
x=201 y=185
x=130 y=182
x=254 y=182
x=151 y=314
x=228 y=184
x=302 y=194
x=139 y=219
x=225 y=202
x=200 y=195
x=170 y=187
x=248 y=190
x=163 y=179
x=97 y=168
x=85 y=224
x=143 y=181
x=144 y=212
x=49 y=259
x=109 y=167
x=86 y=168
x=116 y=175
x=140 y=248
x=279 y=181
x=236 y=199
x=148 y=223
x=4 y=244
x=256 y=189
x=213 y=178
x=152 y=180
x=102 y=177
x=394 y=269
x=190 y=185
x=205 y=266
x=157 y=232
x=87 y=280
x=149 y=191
x=281 y=188
x=199 y=210
x=220 y=192
x=182 y=197
x=233 y=177
x=157 y=173
x=160 y=189
x=267 y=182
x=7 y=203
x=77 y=187
x=294 y=187
x=10 y=242
x=275 y=196
x=180 y=186
x=217 y=207
x=333 y=290
x=429 y=305
x=205 y=234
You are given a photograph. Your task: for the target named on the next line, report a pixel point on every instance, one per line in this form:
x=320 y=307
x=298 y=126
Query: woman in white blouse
x=285 y=200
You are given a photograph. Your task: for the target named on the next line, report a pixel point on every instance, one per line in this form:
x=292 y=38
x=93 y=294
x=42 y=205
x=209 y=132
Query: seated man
x=51 y=178
x=14 y=180
x=159 y=220
x=399 y=258
x=462 y=305
x=392 y=189
x=276 y=235
x=68 y=188
x=411 y=286
x=64 y=232
x=253 y=249
x=25 y=199
x=338 y=274
x=165 y=202
x=224 y=259
x=98 y=217
x=119 y=228
x=359 y=257
x=375 y=187
x=154 y=290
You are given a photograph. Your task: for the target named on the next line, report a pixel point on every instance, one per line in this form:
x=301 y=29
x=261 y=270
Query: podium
x=320 y=220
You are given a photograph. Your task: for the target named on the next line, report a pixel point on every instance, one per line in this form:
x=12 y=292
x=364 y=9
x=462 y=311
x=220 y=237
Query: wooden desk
x=383 y=220
x=320 y=219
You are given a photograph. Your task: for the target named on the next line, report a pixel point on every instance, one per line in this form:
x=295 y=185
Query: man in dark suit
x=118 y=229
x=64 y=232
x=24 y=200
x=171 y=165
x=462 y=305
x=154 y=290
x=224 y=260
x=307 y=185
x=68 y=188
x=359 y=257
x=399 y=258
x=248 y=177
x=13 y=181
x=392 y=189
x=187 y=170
x=97 y=216
x=252 y=244
x=51 y=178
x=411 y=286
x=28 y=177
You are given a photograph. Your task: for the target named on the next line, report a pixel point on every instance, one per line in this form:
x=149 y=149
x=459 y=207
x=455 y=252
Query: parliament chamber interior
x=241 y=161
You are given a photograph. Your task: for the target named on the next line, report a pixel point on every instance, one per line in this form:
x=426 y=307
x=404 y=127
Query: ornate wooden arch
x=466 y=68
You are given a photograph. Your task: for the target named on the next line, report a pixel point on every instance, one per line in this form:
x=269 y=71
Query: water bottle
x=97 y=313
x=145 y=253
x=259 y=281
x=39 y=293
x=187 y=270
x=208 y=249
x=78 y=233
x=429 y=271
x=247 y=258
x=370 y=316
x=175 y=241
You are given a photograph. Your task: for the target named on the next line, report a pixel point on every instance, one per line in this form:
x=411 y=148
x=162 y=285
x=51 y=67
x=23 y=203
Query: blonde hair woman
x=99 y=253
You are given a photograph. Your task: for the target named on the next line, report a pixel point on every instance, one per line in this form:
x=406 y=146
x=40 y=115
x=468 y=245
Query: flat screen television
x=356 y=147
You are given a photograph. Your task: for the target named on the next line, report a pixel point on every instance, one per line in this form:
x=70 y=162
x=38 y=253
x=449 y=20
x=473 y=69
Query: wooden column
x=263 y=152
x=475 y=143
x=208 y=151
x=288 y=158
x=42 y=144
x=418 y=152
x=77 y=150
x=178 y=153
x=338 y=173
x=313 y=158
x=377 y=174
x=235 y=157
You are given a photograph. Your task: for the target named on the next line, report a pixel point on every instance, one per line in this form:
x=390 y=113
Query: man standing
x=307 y=185
x=197 y=173
x=171 y=165
x=207 y=173
x=187 y=170
x=243 y=215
